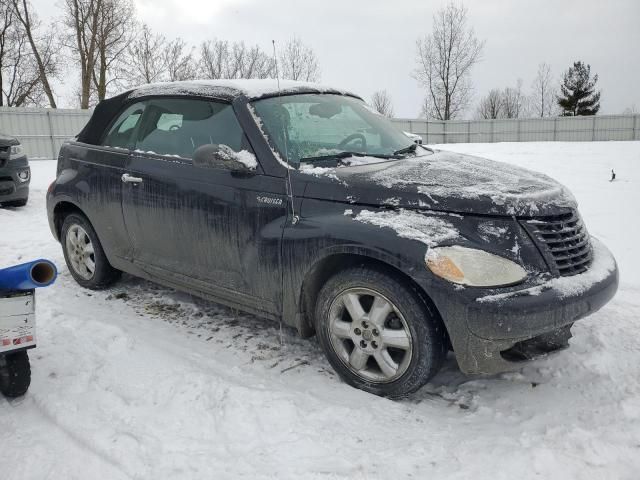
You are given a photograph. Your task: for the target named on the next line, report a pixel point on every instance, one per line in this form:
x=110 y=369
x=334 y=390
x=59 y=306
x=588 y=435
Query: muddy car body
x=301 y=204
x=15 y=173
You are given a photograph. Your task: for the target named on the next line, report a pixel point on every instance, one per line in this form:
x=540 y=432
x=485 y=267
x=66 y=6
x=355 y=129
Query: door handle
x=126 y=178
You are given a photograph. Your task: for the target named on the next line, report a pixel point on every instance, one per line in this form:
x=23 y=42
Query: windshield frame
x=380 y=125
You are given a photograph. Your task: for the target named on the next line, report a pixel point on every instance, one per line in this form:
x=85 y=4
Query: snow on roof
x=251 y=88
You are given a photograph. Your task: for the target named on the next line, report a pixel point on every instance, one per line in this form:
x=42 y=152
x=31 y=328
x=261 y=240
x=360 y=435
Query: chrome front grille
x=564 y=241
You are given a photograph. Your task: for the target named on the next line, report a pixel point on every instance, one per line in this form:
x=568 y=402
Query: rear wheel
x=84 y=255
x=377 y=333
x=15 y=374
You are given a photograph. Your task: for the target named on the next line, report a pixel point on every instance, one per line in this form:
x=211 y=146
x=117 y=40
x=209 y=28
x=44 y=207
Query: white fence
x=42 y=131
x=565 y=129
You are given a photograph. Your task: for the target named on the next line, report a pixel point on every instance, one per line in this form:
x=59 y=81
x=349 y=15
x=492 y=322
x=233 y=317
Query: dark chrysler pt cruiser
x=298 y=202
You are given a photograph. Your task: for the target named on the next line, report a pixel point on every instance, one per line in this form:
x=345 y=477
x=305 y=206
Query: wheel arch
x=63 y=209
x=333 y=263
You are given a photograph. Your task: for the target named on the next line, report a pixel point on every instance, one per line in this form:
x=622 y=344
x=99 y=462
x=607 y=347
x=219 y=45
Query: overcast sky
x=366 y=45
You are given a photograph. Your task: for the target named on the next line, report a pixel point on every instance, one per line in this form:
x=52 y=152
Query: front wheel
x=377 y=333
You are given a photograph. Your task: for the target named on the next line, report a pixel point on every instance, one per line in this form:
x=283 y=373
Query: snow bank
x=140 y=381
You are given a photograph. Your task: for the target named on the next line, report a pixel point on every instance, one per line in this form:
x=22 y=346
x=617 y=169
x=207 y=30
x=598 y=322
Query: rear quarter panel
x=89 y=177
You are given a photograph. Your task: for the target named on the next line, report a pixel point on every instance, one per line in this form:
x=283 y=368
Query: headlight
x=23 y=175
x=476 y=268
x=15 y=152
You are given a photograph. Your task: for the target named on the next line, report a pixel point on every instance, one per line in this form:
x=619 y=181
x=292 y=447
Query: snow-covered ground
x=142 y=382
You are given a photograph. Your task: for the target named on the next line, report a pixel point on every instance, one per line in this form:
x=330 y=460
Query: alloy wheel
x=370 y=335
x=80 y=252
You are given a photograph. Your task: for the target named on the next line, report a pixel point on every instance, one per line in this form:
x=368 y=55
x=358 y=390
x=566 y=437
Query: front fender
x=325 y=231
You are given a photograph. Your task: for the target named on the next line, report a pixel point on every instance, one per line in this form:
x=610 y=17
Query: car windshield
x=319 y=128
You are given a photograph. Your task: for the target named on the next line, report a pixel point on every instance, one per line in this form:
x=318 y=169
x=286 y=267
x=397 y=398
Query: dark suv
x=298 y=202
x=15 y=173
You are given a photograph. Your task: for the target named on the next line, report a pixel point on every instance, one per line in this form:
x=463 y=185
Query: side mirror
x=223 y=157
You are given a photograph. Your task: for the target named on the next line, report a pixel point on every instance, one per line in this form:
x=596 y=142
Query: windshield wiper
x=408 y=149
x=341 y=155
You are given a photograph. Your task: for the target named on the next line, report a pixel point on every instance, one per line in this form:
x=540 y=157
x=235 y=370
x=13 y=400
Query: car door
x=96 y=182
x=208 y=229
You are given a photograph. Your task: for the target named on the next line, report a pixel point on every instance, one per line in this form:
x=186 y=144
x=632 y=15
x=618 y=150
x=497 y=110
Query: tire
x=391 y=322
x=86 y=252
x=15 y=374
x=16 y=203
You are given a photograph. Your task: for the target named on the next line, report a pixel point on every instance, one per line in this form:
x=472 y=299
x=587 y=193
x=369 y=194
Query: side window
x=121 y=131
x=177 y=127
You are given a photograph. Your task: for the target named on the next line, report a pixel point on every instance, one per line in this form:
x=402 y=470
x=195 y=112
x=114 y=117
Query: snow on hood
x=409 y=224
x=442 y=181
x=451 y=175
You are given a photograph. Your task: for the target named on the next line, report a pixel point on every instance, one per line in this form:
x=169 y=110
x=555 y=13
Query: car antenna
x=294 y=217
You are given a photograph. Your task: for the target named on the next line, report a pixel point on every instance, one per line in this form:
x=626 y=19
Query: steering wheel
x=351 y=138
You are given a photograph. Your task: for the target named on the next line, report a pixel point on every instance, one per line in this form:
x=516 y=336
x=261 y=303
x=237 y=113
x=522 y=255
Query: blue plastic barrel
x=35 y=274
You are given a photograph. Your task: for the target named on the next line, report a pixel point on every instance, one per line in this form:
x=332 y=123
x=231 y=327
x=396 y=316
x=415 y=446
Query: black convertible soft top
x=226 y=90
x=102 y=115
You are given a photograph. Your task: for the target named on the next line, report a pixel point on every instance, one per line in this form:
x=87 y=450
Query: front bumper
x=11 y=186
x=484 y=323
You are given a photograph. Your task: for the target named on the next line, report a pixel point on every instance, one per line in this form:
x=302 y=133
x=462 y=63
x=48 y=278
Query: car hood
x=7 y=141
x=443 y=181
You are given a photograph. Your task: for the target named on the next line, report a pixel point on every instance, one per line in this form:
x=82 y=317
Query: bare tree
x=490 y=106
x=513 y=101
x=425 y=108
x=381 y=102
x=543 y=97
x=116 y=25
x=19 y=78
x=99 y=32
x=220 y=59
x=179 y=60
x=42 y=46
x=258 y=64
x=145 y=62
x=6 y=42
x=298 y=62
x=214 y=59
x=445 y=60
x=82 y=17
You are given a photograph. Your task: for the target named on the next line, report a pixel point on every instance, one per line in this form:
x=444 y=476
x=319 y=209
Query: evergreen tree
x=578 y=92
